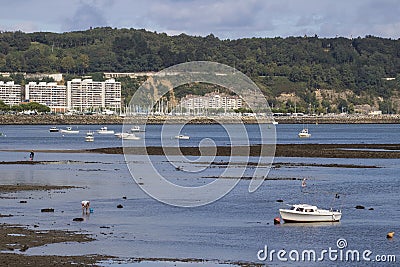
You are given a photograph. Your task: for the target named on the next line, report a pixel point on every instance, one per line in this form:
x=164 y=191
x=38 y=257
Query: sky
x=226 y=19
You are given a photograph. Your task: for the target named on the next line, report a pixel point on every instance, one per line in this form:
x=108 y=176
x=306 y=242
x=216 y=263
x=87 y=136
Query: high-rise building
x=89 y=95
x=10 y=93
x=50 y=94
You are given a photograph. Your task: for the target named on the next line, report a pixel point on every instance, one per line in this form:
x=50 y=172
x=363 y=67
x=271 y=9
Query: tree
x=68 y=64
x=3 y=106
x=82 y=63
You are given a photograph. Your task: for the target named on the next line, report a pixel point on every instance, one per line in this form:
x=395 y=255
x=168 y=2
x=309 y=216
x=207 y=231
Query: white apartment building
x=89 y=95
x=212 y=100
x=50 y=94
x=10 y=93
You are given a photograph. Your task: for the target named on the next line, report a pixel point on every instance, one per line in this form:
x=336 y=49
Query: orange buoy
x=390 y=235
x=277 y=220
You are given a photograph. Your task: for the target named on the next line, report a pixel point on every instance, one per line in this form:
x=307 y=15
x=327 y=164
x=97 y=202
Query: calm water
x=234 y=228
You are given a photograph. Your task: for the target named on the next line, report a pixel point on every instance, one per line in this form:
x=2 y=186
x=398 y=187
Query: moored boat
x=54 y=129
x=136 y=129
x=182 y=137
x=309 y=213
x=69 y=131
x=130 y=136
x=304 y=133
x=89 y=137
x=104 y=130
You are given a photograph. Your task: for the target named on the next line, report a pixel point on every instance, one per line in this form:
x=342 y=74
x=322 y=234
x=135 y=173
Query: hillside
x=324 y=74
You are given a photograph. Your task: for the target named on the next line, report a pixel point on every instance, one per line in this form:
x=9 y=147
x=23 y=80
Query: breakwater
x=7 y=119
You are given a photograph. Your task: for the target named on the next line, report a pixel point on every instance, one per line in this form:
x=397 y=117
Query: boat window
x=300 y=209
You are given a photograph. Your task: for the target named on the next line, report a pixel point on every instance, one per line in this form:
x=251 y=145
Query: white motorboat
x=275 y=123
x=89 y=137
x=69 y=131
x=304 y=133
x=129 y=136
x=136 y=129
x=104 y=130
x=54 y=129
x=120 y=135
x=182 y=137
x=309 y=213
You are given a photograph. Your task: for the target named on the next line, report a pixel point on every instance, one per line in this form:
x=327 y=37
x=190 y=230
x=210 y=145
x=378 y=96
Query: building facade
x=88 y=95
x=50 y=94
x=212 y=100
x=10 y=93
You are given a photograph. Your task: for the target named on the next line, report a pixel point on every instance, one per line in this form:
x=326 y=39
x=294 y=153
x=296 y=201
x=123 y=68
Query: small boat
x=309 y=213
x=69 y=131
x=104 y=130
x=89 y=137
x=129 y=136
x=120 y=135
x=304 y=133
x=275 y=123
x=137 y=129
x=182 y=137
x=54 y=129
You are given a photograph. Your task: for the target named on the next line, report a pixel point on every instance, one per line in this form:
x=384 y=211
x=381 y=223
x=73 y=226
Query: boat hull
x=69 y=132
x=182 y=137
x=318 y=216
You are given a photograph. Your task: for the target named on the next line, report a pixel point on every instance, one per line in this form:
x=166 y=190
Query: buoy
x=390 y=235
x=120 y=206
x=277 y=220
x=91 y=210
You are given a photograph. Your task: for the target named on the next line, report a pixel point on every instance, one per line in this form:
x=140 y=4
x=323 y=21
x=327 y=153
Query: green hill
x=348 y=72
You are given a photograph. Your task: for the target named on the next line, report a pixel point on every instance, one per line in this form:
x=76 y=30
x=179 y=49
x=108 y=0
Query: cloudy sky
x=224 y=18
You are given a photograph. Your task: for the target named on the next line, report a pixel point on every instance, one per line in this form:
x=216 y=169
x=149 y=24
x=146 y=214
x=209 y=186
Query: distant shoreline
x=104 y=119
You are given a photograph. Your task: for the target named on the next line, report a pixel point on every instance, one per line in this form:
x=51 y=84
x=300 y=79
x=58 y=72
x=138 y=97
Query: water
x=232 y=229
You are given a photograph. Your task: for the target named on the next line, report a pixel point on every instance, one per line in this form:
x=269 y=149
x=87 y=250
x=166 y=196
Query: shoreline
x=7 y=119
x=17 y=238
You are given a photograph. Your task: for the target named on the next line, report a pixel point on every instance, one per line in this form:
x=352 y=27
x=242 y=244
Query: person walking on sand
x=31 y=155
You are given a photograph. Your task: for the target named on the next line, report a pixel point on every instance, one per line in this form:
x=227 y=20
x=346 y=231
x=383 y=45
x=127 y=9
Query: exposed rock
x=47 y=210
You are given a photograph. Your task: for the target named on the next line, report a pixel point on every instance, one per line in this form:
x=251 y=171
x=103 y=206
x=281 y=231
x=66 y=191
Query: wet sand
x=383 y=151
x=380 y=151
x=19 y=238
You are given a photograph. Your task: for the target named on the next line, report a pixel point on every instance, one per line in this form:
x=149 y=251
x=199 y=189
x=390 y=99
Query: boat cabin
x=304 y=208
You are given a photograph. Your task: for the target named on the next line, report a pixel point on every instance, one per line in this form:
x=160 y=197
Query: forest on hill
x=349 y=72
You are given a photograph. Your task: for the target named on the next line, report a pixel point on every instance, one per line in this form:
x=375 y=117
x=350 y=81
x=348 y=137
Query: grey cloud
x=88 y=14
x=223 y=18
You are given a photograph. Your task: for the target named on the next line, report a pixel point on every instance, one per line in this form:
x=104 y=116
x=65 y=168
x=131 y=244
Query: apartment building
x=212 y=100
x=89 y=95
x=50 y=94
x=10 y=93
